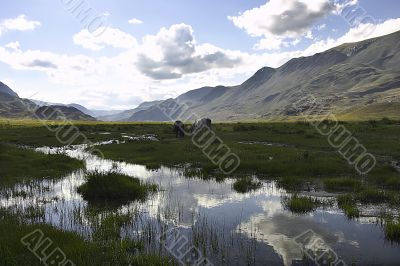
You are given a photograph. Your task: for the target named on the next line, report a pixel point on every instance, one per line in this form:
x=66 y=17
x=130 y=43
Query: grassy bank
x=19 y=165
x=76 y=249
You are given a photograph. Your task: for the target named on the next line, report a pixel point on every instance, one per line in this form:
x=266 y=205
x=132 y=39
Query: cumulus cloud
x=289 y=18
x=173 y=52
x=110 y=37
x=280 y=19
x=20 y=23
x=163 y=65
x=135 y=21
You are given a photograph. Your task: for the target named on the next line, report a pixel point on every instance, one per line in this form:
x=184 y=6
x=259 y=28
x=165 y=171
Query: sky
x=116 y=54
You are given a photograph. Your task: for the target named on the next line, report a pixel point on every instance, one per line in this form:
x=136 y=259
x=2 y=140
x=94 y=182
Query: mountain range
x=354 y=80
x=12 y=106
x=351 y=79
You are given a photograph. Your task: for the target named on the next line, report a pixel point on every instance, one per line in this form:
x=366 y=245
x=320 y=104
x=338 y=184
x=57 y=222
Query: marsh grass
x=114 y=187
x=246 y=184
x=392 y=230
x=342 y=184
x=22 y=165
x=292 y=183
x=300 y=204
x=372 y=195
x=385 y=177
x=77 y=249
x=348 y=203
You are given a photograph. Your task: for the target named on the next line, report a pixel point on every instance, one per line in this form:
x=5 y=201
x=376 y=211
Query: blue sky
x=148 y=50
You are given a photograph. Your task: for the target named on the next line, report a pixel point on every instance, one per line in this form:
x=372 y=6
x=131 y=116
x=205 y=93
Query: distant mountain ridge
x=61 y=112
x=345 y=77
x=127 y=114
x=12 y=106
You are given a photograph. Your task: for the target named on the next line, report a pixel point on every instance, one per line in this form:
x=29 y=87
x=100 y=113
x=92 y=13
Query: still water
x=229 y=228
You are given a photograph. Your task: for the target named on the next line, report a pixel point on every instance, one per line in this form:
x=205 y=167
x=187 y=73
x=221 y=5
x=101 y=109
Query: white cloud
x=284 y=18
x=341 y=5
x=173 y=52
x=280 y=22
x=20 y=23
x=356 y=34
x=366 y=31
x=110 y=37
x=13 y=46
x=112 y=81
x=135 y=21
x=269 y=44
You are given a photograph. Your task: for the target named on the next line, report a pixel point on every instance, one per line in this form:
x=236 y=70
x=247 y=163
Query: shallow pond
x=227 y=227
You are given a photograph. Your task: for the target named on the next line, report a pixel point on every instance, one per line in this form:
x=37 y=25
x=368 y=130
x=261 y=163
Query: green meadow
x=293 y=154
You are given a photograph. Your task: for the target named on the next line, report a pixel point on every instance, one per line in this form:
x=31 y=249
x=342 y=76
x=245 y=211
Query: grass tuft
x=300 y=204
x=113 y=186
x=348 y=204
x=246 y=184
x=392 y=231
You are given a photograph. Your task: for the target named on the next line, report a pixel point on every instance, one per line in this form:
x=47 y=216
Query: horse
x=179 y=129
x=201 y=123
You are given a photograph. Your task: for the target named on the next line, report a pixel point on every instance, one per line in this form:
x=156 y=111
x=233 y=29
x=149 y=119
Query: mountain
x=6 y=90
x=82 y=109
x=15 y=107
x=127 y=114
x=100 y=113
x=12 y=106
x=93 y=113
x=349 y=77
x=61 y=112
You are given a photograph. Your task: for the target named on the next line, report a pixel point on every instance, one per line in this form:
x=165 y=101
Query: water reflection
x=236 y=229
